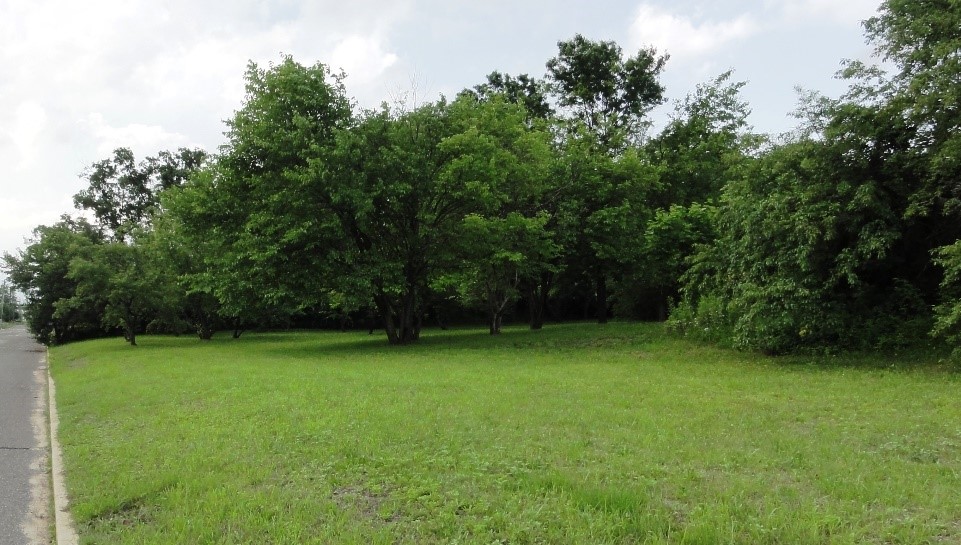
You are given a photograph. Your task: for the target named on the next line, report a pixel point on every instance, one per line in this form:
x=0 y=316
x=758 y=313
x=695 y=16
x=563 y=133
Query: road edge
x=64 y=531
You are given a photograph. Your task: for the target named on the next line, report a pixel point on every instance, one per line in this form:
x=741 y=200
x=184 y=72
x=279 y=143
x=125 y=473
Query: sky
x=79 y=79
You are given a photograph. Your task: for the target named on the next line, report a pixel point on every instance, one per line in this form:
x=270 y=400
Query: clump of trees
x=846 y=234
x=539 y=198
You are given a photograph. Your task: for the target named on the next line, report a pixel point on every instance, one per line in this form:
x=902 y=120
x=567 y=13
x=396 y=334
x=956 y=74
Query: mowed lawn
x=575 y=434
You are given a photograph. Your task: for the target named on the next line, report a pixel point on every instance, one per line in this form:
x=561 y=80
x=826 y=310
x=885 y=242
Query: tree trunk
x=403 y=324
x=205 y=331
x=601 y=299
x=495 y=323
x=238 y=328
x=537 y=293
x=130 y=334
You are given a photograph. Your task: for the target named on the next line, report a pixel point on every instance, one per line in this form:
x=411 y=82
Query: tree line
x=540 y=198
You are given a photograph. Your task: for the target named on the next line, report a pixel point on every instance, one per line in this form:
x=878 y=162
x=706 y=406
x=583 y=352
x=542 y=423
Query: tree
x=605 y=181
x=606 y=92
x=812 y=250
x=827 y=240
x=126 y=281
x=707 y=140
x=9 y=310
x=529 y=92
x=706 y=145
x=40 y=271
x=256 y=210
x=498 y=253
x=123 y=194
x=604 y=202
x=399 y=213
x=922 y=40
x=188 y=259
x=505 y=242
x=669 y=239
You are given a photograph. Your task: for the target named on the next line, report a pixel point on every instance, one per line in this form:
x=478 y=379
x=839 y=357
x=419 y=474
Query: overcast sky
x=80 y=78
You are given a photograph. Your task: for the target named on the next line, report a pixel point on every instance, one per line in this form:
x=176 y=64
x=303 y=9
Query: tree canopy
x=540 y=198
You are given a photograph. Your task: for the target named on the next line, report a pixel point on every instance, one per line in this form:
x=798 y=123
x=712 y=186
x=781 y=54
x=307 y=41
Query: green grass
x=576 y=434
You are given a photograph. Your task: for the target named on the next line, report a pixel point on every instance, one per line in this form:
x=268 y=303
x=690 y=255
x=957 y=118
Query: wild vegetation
x=540 y=199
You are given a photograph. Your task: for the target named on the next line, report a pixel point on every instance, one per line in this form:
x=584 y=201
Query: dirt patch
x=367 y=503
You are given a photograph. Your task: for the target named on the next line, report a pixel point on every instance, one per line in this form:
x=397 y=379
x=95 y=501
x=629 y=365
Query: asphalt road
x=24 y=511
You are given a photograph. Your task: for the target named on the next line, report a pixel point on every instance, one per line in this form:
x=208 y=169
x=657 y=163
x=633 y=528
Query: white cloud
x=682 y=37
x=850 y=12
x=142 y=139
x=29 y=122
x=362 y=58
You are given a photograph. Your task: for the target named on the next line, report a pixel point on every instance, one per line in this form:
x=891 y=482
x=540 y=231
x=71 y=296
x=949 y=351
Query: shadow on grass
x=553 y=338
x=559 y=337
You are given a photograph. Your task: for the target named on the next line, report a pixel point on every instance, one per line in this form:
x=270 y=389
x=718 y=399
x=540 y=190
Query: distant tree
x=608 y=93
x=40 y=271
x=9 y=310
x=505 y=243
x=123 y=194
x=523 y=89
x=126 y=281
x=498 y=253
x=605 y=182
x=534 y=95
x=706 y=142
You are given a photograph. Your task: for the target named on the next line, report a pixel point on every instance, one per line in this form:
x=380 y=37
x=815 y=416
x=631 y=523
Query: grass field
x=576 y=434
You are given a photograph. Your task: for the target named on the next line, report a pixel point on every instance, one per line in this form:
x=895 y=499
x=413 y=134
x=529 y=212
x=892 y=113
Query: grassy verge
x=575 y=434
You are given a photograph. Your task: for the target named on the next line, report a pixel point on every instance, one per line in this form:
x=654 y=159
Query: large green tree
x=706 y=144
x=604 y=203
x=129 y=282
x=41 y=272
x=123 y=194
x=256 y=213
x=606 y=91
x=399 y=208
x=605 y=183
x=828 y=240
x=506 y=243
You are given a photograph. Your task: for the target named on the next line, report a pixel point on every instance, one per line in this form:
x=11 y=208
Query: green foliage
x=805 y=256
x=126 y=281
x=607 y=92
x=523 y=89
x=948 y=312
x=706 y=143
x=826 y=241
x=41 y=272
x=252 y=220
x=668 y=240
x=505 y=241
x=123 y=195
x=550 y=191
x=603 y=202
x=498 y=254
x=9 y=309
